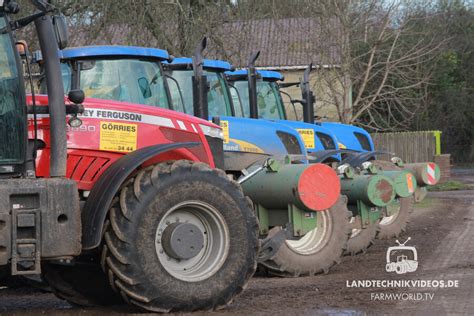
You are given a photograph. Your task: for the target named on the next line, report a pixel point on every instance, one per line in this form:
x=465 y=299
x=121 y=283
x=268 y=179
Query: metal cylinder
x=373 y=190
x=426 y=173
x=404 y=180
x=314 y=187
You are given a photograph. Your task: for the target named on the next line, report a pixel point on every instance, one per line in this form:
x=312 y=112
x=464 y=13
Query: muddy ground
x=441 y=229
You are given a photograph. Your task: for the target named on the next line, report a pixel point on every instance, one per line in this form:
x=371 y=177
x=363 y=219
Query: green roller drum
x=404 y=182
x=314 y=187
x=373 y=190
x=426 y=173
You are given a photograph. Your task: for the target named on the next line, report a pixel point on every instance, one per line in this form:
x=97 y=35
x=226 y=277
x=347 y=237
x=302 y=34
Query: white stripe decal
x=194 y=128
x=181 y=125
x=431 y=171
x=105 y=114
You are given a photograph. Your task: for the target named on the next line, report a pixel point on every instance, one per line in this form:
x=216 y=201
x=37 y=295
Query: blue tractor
x=262 y=156
x=356 y=147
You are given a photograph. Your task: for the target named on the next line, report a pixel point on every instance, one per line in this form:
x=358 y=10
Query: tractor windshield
x=217 y=97
x=12 y=101
x=268 y=100
x=127 y=80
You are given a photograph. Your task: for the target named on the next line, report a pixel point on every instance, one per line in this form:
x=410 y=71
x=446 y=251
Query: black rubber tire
x=129 y=253
x=4 y=272
x=82 y=285
x=287 y=263
x=363 y=240
x=398 y=225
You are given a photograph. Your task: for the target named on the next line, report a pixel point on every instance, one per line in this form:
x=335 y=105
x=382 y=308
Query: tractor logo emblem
x=405 y=258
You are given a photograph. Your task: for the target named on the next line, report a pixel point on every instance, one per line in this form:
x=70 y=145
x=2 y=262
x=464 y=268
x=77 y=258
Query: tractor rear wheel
x=182 y=237
x=393 y=225
x=317 y=251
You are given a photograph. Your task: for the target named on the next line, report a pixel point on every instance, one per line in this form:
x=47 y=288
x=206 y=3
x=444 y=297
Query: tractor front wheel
x=182 y=237
x=400 y=209
x=317 y=251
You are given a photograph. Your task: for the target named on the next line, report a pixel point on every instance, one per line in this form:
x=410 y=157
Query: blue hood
x=350 y=137
x=260 y=136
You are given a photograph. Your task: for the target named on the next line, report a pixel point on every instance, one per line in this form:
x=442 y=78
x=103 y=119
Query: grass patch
x=451 y=185
x=425 y=203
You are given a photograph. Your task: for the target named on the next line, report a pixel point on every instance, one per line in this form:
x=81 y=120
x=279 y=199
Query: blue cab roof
x=265 y=74
x=93 y=51
x=207 y=63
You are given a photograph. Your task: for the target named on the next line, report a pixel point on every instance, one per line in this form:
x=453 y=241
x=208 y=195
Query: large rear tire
x=315 y=252
x=145 y=264
x=393 y=225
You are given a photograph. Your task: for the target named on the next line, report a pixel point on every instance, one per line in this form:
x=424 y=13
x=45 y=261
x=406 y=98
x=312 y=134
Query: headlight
x=212 y=131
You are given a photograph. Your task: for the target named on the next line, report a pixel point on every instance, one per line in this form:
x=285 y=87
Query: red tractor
x=118 y=206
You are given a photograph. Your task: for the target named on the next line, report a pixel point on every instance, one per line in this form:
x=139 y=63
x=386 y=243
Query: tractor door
x=12 y=105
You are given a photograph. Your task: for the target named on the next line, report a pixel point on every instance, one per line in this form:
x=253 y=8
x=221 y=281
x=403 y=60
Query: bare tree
x=385 y=61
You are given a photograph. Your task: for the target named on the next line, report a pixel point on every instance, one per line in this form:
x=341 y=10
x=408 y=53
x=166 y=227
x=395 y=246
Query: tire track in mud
x=452 y=259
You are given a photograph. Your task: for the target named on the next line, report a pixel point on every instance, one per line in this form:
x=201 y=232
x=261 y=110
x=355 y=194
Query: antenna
x=408 y=239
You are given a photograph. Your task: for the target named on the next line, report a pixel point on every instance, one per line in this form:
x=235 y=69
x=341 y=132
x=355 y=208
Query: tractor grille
x=291 y=143
x=217 y=149
x=328 y=142
x=85 y=168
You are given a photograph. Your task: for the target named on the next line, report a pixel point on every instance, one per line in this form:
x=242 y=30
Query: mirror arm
x=18 y=24
x=288 y=84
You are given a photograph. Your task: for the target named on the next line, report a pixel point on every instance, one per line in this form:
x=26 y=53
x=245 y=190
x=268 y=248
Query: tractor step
x=26 y=241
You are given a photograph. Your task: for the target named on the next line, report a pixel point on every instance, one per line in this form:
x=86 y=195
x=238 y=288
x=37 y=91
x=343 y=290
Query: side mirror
x=76 y=96
x=144 y=87
x=61 y=31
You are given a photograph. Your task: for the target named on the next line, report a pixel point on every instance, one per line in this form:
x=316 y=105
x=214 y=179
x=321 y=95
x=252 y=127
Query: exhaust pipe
x=308 y=97
x=54 y=83
x=199 y=80
x=252 y=82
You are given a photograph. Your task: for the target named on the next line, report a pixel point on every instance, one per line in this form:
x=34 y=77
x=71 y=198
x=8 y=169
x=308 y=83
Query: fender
x=357 y=159
x=104 y=190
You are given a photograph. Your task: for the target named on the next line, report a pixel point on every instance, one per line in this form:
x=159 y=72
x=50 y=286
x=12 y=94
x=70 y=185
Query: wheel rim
x=314 y=240
x=387 y=220
x=215 y=241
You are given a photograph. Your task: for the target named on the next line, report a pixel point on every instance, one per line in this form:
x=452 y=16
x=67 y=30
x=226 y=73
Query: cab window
x=128 y=80
x=217 y=97
x=267 y=101
x=12 y=102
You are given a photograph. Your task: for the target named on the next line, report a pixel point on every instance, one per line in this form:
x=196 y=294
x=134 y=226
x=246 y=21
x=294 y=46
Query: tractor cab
x=127 y=74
